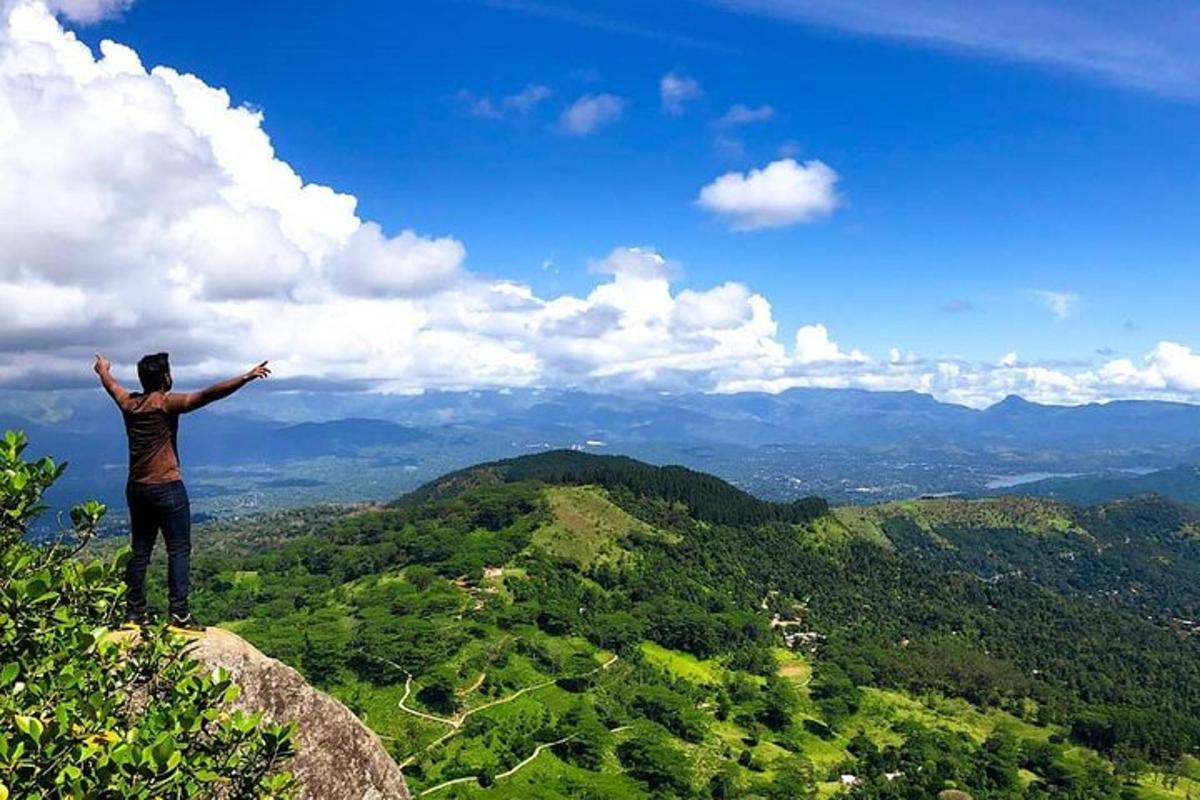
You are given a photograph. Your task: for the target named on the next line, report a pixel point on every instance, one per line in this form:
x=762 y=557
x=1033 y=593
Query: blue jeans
x=154 y=507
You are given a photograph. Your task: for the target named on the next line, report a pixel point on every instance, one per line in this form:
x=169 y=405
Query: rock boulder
x=338 y=757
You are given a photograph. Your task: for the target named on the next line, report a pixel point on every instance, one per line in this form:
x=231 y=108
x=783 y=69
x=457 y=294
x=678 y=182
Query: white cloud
x=528 y=98
x=199 y=240
x=371 y=264
x=143 y=210
x=1060 y=304
x=89 y=11
x=518 y=103
x=744 y=115
x=813 y=346
x=725 y=307
x=590 y=112
x=780 y=194
x=639 y=263
x=1170 y=367
x=675 y=91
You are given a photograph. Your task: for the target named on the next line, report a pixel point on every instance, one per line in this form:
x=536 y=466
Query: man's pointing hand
x=261 y=371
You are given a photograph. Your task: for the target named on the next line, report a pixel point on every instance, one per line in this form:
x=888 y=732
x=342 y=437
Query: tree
x=779 y=703
x=1001 y=757
x=590 y=740
x=673 y=711
x=726 y=783
x=440 y=690
x=793 y=780
x=650 y=757
x=68 y=685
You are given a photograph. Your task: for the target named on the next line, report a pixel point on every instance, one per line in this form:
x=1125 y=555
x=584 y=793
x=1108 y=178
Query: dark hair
x=153 y=371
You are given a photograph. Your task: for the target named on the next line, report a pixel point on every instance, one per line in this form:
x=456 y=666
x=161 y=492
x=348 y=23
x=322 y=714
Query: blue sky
x=1008 y=181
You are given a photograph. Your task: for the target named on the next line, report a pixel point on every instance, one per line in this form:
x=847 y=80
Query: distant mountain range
x=845 y=444
x=843 y=417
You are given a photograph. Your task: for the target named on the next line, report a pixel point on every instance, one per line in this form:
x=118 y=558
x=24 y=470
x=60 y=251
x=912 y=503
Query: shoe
x=185 y=623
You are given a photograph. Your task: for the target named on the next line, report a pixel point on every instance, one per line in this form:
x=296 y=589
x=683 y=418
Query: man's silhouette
x=155 y=491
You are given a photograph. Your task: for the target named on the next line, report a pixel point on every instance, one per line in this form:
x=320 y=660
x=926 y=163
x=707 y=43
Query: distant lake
x=1006 y=481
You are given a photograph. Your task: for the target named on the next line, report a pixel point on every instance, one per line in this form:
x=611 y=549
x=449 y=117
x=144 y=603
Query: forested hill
x=706 y=497
x=566 y=626
x=1142 y=552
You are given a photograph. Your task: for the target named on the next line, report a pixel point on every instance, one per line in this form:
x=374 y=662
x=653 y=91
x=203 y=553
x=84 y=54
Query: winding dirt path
x=455 y=723
x=537 y=751
x=478 y=682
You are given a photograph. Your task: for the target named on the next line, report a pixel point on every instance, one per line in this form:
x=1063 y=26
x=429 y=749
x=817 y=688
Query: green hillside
x=1138 y=552
x=568 y=626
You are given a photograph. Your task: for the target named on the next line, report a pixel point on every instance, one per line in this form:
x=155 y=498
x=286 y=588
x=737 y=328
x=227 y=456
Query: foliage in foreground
x=85 y=713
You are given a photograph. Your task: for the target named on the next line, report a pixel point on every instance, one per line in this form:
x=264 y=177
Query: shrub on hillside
x=85 y=713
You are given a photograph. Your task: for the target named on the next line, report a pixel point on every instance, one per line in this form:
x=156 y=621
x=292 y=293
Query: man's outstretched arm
x=115 y=390
x=184 y=402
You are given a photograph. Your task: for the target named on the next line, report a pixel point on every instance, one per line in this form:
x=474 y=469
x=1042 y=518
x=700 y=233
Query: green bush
x=89 y=713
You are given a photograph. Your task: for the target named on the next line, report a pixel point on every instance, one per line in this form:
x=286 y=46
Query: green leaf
x=30 y=726
x=9 y=673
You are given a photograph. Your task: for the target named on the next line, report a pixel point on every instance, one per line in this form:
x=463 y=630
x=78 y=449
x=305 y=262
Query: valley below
x=565 y=625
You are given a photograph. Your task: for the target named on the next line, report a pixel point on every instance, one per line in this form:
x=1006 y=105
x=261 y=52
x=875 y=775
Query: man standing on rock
x=155 y=491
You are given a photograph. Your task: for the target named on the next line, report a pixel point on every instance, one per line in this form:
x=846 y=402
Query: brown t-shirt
x=152 y=427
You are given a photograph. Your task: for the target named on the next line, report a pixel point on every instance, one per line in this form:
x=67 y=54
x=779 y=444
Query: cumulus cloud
x=780 y=194
x=675 y=91
x=374 y=264
x=974 y=384
x=590 y=112
x=727 y=306
x=813 y=346
x=636 y=262
x=142 y=209
x=89 y=11
x=1169 y=366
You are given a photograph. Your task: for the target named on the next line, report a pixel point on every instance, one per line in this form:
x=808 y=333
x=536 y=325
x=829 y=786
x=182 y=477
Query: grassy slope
x=586 y=529
x=1039 y=517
